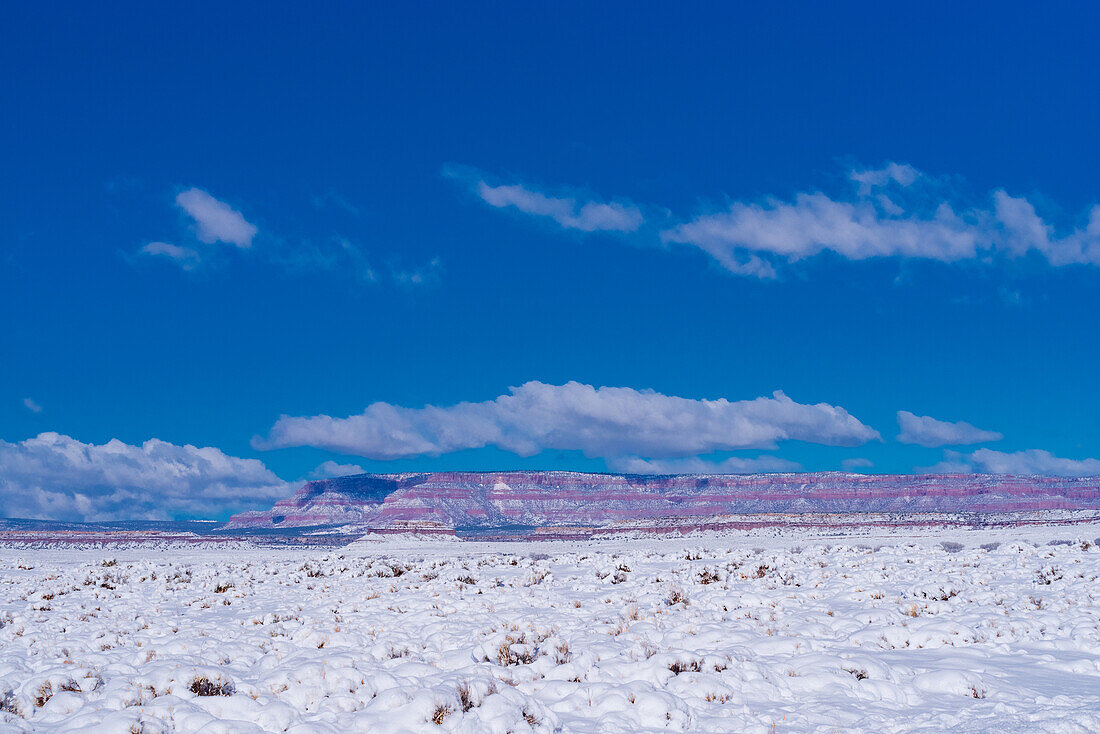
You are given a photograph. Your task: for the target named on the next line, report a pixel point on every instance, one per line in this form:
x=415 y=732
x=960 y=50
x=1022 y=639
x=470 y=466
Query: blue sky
x=214 y=217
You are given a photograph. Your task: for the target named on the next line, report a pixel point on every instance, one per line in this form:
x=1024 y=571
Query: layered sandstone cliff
x=450 y=501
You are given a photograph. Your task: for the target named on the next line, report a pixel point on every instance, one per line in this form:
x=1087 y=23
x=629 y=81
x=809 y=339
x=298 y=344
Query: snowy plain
x=750 y=633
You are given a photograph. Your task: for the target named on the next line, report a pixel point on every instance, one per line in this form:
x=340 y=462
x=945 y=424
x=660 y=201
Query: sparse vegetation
x=708 y=576
x=203 y=686
x=858 y=673
x=440 y=713
x=814 y=621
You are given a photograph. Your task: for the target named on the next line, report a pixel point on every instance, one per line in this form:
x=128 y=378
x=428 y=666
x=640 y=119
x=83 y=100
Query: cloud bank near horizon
x=604 y=422
x=1028 y=462
x=695 y=465
x=53 y=476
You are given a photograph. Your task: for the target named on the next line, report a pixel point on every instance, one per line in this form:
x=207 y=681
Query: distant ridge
x=577 y=503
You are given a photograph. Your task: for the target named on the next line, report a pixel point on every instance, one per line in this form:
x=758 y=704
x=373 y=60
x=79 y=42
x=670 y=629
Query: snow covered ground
x=721 y=634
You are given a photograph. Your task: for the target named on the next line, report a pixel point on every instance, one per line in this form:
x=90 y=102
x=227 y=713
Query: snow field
x=598 y=637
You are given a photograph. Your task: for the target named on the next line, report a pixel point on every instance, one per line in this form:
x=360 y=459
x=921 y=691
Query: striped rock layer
x=486 y=501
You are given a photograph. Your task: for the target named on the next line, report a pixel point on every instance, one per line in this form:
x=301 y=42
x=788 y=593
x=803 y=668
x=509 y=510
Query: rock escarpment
x=485 y=501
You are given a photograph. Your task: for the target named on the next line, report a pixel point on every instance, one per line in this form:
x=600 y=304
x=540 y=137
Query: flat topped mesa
x=457 y=501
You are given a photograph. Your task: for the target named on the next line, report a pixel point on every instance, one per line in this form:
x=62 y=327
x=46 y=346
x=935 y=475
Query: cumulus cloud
x=856 y=464
x=600 y=422
x=330 y=469
x=186 y=257
x=696 y=465
x=31 y=405
x=926 y=431
x=1029 y=462
x=893 y=211
x=216 y=221
x=53 y=476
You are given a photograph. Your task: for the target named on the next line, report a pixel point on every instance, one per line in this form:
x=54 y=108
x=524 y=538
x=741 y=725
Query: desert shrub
x=203 y=686
x=391 y=570
x=709 y=576
x=990 y=546
x=940 y=594
x=522 y=654
x=676 y=597
x=70 y=686
x=1060 y=542
x=1048 y=575
x=440 y=713
x=691 y=666
x=951 y=546
x=43 y=694
x=464 y=698
x=8 y=705
x=536 y=577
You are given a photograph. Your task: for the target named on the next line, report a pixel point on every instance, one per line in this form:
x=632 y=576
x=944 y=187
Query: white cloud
x=892 y=173
x=1029 y=462
x=696 y=465
x=330 y=469
x=605 y=422
x=215 y=220
x=185 y=257
x=586 y=216
x=54 y=476
x=888 y=214
x=813 y=223
x=856 y=464
x=592 y=216
x=32 y=406
x=926 y=431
